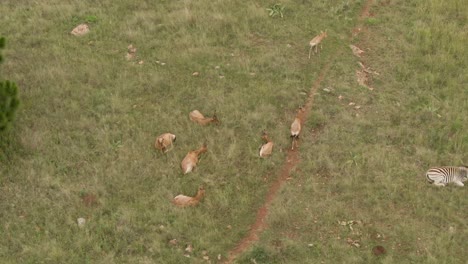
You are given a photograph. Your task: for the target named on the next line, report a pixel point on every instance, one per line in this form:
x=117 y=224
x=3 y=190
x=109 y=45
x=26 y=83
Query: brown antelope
x=296 y=127
x=191 y=159
x=267 y=148
x=316 y=41
x=164 y=141
x=198 y=117
x=183 y=200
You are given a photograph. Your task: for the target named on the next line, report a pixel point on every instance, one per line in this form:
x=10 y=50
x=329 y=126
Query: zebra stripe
x=442 y=176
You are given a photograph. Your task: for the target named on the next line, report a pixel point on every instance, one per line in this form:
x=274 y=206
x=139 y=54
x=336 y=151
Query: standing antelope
x=267 y=148
x=183 y=200
x=316 y=41
x=296 y=127
x=191 y=159
x=198 y=117
x=164 y=141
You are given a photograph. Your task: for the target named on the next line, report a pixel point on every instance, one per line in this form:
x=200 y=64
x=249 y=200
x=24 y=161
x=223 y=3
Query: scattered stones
x=81 y=222
x=451 y=230
x=80 y=30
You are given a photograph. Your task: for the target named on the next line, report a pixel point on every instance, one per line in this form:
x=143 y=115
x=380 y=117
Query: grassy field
x=82 y=144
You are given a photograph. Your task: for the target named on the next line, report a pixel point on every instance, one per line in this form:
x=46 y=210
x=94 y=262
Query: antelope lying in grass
x=267 y=148
x=164 y=141
x=296 y=127
x=316 y=41
x=198 y=117
x=183 y=200
x=191 y=159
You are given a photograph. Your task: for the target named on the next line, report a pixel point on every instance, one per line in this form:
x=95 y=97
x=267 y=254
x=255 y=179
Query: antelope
x=296 y=127
x=198 y=117
x=267 y=148
x=316 y=41
x=191 y=159
x=183 y=200
x=164 y=141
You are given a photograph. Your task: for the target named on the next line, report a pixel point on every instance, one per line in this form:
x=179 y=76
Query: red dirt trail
x=292 y=160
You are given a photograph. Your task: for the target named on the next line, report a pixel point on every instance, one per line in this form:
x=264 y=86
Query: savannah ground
x=82 y=143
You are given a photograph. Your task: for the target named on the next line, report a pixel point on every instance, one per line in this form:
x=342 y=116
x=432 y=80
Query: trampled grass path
x=292 y=158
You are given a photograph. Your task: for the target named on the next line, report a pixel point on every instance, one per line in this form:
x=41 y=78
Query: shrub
x=8 y=98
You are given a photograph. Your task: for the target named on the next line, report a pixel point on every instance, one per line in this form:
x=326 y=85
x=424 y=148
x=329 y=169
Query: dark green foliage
x=8 y=98
x=8 y=103
x=2 y=45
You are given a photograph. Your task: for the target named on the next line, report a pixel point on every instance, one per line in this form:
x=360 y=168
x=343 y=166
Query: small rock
x=217 y=67
x=357 y=107
x=229 y=227
x=340 y=97
x=195 y=73
x=163 y=63
x=326 y=90
x=288 y=45
x=81 y=222
x=173 y=242
x=310 y=245
x=451 y=230
x=219 y=256
x=140 y=62
x=351 y=104
x=80 y=30
x=206 y=258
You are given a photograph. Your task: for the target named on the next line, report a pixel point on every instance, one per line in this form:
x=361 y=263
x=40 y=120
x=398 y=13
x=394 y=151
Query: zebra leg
x=459 y=183
x=439 y=184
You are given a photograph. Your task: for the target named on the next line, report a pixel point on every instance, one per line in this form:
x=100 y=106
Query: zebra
x=442 y=176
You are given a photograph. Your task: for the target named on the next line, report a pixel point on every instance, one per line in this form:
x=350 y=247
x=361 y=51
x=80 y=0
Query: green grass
x=368 y=165
x=89 y=118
